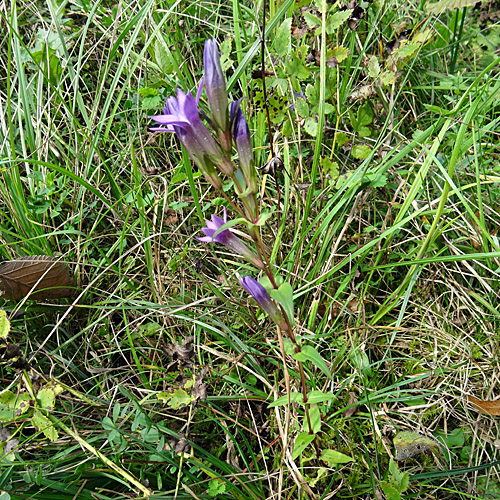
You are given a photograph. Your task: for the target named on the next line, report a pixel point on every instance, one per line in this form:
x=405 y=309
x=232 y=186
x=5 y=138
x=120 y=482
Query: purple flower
x=229 y=239
x=215 y=85
x=259 y=293
x=180 y=115
x=243 y=142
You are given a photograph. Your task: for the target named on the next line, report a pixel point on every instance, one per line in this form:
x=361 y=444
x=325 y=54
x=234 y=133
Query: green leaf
x=311 y=126
x=302 y=108
x=407 y=50
x=225 y=54
x=330 y=168
x=319 y=397
x=282 y=42
x=175 y=400
x=295 y=397
x=373 y=67
x=387 y=78
x=12 y=405
x=46 y=398
x=311 y=20
x=365 y=115
x=361 y=362
x=179 y=176
x=150 y=435
x=376 y=179
x=315 y=418
x=162 y=59
x=341 y=138
x=361 y=151
x=4 y=325
x=340 y=53
x=390 y=492
x=304 y=439
x=216 y=487
x=295 y=67
x=455 y=438
x=262 y=219
x=332 y=457
x=43 y=424
x=309 y=353
x=284 y=295
x=334 y=22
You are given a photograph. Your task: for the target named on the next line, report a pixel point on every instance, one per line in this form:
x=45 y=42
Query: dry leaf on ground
x=38 y=277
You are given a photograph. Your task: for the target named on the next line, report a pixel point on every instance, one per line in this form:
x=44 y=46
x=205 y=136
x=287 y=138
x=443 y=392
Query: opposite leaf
x=309 y=353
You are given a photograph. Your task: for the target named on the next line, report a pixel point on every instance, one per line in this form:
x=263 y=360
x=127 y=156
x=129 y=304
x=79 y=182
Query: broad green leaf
x=304 y=439
x=12 y=405
x=422 y=36
x=311 y=126
x=341 y=138
x=43 y=424
x=407 y=50
x=330 y=168
x=364 y=115
x=453 y=439
x=295 y=67
x=340 y=53
x=162 y=59
x=335 y=21
x=387 y=78
x=216 y=487
x=282 y=42
x=179 y=176
x=402 y=478
x=175 y=400
x=311 y=20
x=46 y=396
x=4 y=325
x=284 y=295
x=361 y=151
x=283 y=400
x=302 y=108
x=309 y=353
x=319 y=397
x=373 y=67
x=376 y=179
x=263 y=218
x=225 y=53
x=390 y=492
x=332 y=457
x=150 y=435
x=315 y=418
x=438 y=7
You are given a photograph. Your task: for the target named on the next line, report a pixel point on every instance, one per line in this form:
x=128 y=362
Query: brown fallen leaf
x=38 y=277
x=490 y=407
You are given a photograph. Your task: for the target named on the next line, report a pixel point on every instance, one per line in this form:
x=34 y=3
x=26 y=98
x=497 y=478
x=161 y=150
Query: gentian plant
x=212 y=153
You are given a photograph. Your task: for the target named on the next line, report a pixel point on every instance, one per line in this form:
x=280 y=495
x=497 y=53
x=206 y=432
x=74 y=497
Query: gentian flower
x=229 y=239
x=243 y=143
x=182 y=117
x=259 y=293
x=215 y=85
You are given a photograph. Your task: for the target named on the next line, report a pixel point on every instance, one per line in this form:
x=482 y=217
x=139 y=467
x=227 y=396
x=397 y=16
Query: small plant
x=396 y=484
